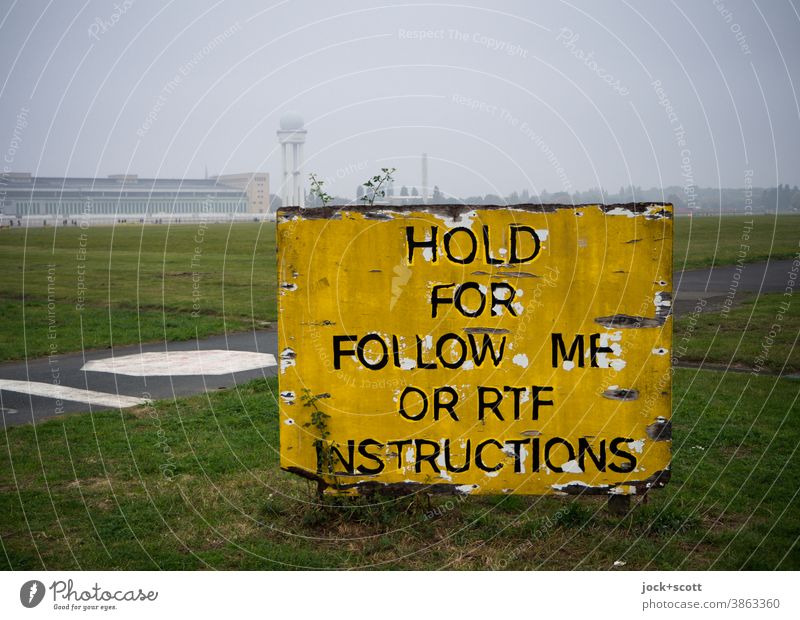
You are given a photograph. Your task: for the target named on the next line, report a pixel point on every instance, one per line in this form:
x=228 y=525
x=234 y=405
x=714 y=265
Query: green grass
x=746 y=337
x=139 y=279
x=705 y=241
x=141 y=285
x=195 y=484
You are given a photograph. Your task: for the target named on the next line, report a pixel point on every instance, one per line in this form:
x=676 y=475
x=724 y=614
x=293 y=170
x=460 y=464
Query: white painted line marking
x=78 y=395
x=174 y=363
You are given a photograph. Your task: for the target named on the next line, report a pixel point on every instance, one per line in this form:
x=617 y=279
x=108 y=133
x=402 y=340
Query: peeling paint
x=521 y=360
x=660 y=430
x=288 y=358
x=615 y=393
x=636 y=446
x=626 y=321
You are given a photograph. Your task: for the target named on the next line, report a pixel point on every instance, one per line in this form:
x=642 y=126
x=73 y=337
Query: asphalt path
x=100 y=380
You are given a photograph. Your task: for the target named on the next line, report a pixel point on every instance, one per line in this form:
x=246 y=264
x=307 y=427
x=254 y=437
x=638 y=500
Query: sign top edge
x=458 y=209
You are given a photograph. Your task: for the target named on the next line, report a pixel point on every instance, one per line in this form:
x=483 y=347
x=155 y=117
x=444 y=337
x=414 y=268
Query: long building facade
x=23 y=195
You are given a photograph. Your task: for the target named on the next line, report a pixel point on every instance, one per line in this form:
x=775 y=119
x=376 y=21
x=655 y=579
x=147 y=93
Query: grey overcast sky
x=501 y=95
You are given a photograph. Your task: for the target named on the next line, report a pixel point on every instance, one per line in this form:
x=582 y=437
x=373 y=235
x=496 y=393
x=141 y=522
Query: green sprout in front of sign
x=316 y=190
x=374 y=186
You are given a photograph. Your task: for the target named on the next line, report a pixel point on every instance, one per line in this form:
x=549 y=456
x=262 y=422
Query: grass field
x=196 y=484
x=150 y=283
x=746 y=337
x=706 y=241
x=142 y=284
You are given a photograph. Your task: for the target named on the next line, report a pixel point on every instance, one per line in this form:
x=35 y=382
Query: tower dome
x=291 y=121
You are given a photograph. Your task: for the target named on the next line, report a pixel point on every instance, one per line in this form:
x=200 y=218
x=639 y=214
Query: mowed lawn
x=134 y=283
x=195 y=484
x=150 y=283
x=704 y=241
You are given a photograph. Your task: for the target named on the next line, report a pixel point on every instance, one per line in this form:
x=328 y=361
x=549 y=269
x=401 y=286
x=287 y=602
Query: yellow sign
x=520 y=349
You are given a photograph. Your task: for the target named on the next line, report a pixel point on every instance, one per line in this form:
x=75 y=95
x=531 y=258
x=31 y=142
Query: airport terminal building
x=127 y=196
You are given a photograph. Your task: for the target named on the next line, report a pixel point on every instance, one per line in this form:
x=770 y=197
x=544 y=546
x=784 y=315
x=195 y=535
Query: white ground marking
x=173 y=363
x=78 y=395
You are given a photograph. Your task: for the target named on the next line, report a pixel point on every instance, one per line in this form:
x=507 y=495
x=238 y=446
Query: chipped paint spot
x=567 y=364
x=636 y=446
x=467 y=488
x=521 y=360
x=660 y=351
x=288 y=421
x=660 y=430
x=542 y=233
x=627 y=321
x=615 y=393
x=288 y=397
x=572 y=467
x=485 y=330
x=621 y=211
x=288 y=359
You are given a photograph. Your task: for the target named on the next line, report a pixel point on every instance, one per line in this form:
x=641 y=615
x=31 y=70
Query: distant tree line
x=783 y=198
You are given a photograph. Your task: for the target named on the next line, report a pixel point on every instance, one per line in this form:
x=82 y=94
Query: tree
x=404 y=191
x=437 y=195
x=414 y=191
x=360 y=192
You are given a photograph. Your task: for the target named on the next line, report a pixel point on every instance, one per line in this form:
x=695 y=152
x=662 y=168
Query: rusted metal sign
x=519 y=349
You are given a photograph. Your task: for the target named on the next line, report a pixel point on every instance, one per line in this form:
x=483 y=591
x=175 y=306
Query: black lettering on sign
x=516 y=445
x=550 y=446
x=479 y=463
x=426 y=458
x=489 y=398
x=461 y=245
x=500 y=295
x=473 y=245
x=514 y=257
x=362 y=450
x=439 y=403
x=448 y=463
x=629 y=459
x=584 y=448
x=576 y=350
x=338 y=352
x=423 y=405
x=430 y=244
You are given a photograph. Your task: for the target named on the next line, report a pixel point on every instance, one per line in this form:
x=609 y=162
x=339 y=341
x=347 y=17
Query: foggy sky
x=501 y=95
